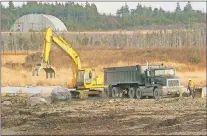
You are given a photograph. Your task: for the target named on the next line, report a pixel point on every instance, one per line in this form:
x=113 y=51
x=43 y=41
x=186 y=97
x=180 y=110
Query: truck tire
x=131 y=92
x=109 y=91
x=156 y=94
x=138 y=93
x=115 y=92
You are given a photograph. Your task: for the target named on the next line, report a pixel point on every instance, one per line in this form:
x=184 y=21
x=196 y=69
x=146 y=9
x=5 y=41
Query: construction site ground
x=173 y=116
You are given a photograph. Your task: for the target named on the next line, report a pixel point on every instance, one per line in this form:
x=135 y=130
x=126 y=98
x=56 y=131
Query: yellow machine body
x=82 y=78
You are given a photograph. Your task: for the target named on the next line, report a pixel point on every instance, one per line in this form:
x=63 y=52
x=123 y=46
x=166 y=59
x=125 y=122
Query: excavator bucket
x=49 y=70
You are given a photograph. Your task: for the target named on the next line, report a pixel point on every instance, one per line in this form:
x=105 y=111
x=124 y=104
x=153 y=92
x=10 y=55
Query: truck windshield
x=164 y=72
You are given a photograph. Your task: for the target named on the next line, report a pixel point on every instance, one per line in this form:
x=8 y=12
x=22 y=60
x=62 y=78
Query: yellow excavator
x=82 y=78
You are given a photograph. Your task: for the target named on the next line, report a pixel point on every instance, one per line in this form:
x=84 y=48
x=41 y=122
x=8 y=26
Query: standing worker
x=191 y=87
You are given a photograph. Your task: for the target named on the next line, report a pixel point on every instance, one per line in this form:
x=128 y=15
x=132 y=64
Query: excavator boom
x=60 y=42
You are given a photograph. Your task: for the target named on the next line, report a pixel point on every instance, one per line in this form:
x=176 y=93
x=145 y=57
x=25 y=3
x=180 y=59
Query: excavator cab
x=85 y=77
x=80 y=78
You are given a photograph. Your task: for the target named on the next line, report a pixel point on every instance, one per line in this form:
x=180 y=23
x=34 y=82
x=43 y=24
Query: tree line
x=195 y=37
x=79 y=17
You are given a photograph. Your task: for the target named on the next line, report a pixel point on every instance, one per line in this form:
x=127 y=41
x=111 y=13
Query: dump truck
x=142 y=81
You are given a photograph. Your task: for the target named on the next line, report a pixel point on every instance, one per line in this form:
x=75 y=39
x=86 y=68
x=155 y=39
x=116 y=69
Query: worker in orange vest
x=191 y=86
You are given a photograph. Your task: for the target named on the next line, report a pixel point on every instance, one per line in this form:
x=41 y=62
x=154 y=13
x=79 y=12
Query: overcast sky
x=111 y=7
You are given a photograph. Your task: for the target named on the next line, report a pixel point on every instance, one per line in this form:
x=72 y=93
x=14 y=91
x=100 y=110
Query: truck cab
x=162 y=76
x=163 y=80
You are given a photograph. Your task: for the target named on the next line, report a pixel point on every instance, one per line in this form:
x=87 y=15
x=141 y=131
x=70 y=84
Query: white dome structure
x=37 y=22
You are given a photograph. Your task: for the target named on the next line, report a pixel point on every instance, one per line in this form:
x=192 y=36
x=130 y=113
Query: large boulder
x=46 y=97
x=36 y=101
x=60 y=94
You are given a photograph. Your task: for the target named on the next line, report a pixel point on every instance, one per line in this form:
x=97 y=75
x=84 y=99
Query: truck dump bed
x=126 y=74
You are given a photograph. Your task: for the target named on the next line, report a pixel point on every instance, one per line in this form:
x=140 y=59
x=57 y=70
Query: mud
x=107 y=116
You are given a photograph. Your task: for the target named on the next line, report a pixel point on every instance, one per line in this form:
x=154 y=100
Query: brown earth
x=169 y=116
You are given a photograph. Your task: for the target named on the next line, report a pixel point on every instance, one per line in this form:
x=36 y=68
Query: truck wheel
x=109 y=91
x=115 y=92
x=156 y=94
x=138 y=93
x=132 y=92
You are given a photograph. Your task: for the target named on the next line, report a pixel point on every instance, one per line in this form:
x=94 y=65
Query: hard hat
x=189 y=79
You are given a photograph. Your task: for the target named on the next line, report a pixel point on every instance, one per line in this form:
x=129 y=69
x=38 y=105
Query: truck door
x=148 y=85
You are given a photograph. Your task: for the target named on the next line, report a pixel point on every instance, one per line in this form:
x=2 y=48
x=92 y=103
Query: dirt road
x=108 y=116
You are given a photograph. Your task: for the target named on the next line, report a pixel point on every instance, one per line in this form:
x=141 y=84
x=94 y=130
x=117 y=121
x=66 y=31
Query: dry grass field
x=189 y=63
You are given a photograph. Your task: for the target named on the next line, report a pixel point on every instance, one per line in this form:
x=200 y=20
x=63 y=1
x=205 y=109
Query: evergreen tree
x=126 y=9
x=11 y=6
x=188 y=7
x=178 y=7
x=155 y=11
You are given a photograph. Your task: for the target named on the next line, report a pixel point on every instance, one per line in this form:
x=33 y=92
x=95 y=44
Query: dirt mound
x=169 y=122
x=16 y=100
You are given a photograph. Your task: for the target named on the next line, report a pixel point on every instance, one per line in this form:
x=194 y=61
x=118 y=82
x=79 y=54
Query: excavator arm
x=45 y=64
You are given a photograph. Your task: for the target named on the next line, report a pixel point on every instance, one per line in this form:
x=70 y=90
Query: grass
x=180 y=58
x=13 y=59
x=199 y=77
x=100 y=57
x=13 y=77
